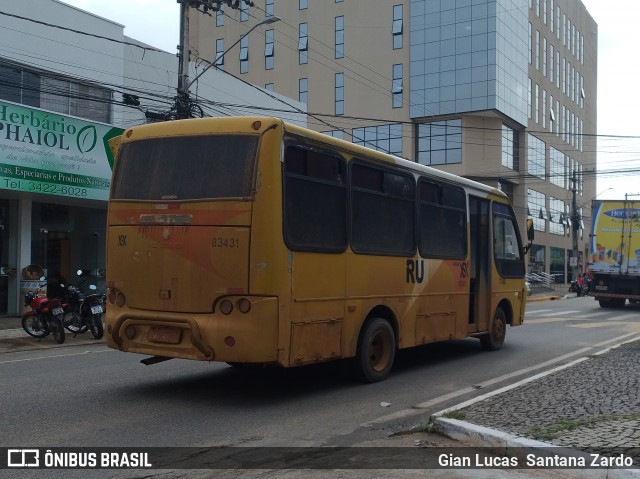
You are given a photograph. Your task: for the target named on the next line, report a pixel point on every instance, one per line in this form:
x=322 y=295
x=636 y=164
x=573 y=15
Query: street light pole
x=266 y=21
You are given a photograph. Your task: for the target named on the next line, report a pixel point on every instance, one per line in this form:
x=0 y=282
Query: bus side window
x=506 y=252
x=315 y=201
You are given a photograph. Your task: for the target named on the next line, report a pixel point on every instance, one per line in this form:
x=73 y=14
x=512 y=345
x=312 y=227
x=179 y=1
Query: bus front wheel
x=376 y=351
x=494 y=339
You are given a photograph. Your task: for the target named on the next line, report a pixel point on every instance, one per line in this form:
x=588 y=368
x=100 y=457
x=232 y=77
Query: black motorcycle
x=574 y=287
x=84 y=312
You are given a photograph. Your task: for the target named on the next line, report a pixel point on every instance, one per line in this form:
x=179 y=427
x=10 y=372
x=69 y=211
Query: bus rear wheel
x=494 y=339
x=376 y=351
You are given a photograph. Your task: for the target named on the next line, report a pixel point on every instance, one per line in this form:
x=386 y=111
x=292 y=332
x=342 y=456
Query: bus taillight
x=244 y=305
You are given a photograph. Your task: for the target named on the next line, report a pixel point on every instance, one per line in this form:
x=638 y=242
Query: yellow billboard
x=614 y=243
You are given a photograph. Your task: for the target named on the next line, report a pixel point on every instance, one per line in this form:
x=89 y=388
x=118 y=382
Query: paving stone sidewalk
x=592 y=406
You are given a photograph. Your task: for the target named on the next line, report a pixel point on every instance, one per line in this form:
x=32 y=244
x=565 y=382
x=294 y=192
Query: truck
x=614 y=252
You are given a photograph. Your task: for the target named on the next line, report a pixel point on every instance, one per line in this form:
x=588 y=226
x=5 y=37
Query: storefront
x=55 y=172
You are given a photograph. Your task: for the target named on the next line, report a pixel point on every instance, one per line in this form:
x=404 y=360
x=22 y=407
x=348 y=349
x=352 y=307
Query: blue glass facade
x=469 y=55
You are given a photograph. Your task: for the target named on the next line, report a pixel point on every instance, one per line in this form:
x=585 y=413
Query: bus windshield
x=186 y=168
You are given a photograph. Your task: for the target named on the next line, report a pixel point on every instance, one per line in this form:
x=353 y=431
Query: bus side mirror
x=530 y=234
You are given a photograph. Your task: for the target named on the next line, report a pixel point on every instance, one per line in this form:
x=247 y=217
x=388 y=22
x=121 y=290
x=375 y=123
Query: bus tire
x=604 y=304
x=376 y=351
x=494 y=339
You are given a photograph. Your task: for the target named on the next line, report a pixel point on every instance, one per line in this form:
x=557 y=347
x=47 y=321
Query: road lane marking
x=597 y=313
x=626 y=316
x=538 y=311
x=55 y=356
x=559 y=313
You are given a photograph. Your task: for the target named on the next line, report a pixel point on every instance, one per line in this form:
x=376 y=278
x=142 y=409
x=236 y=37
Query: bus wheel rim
x=380 y=351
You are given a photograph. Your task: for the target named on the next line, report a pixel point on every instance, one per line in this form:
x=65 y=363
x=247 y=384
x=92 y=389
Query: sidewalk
x=14 y=338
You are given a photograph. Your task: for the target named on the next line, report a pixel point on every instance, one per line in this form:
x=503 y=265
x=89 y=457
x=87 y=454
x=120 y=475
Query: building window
x=537 y=105
x=529 y=99
x=537 y=50
x=244 y=54
x=268 y=49
x=551 y=71
x=303 y=44
x=244 y=11
x=558 y=68
x=269 y=87
x=510 y=148
x=339 y=37
x=551 y=16
x=544 y=108
x=530 y=45
x=557 y=216
x=385 y=138
x=220 y=16
x=552 y=115
x=396 y=86
x=26 y=87
x=339 y=94
x=544 y=56
x=544 y=12
x=303 y=4
x=440 y=142
x=219 y=61
x=536 y=157
x=269 y=9
x=335 y=134
x=397 y=27
x=558 y=23
x=303 y=90
x=536 y=204
x=557 y=168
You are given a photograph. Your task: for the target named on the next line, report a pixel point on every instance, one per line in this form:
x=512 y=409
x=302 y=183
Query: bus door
x=480 y=254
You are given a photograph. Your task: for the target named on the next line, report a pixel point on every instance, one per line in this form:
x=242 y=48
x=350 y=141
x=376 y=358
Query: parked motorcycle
x=580 y=290
x=84 y=312
x=45 y=316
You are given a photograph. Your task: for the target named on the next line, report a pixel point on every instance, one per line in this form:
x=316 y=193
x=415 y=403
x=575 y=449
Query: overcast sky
x=156 y=22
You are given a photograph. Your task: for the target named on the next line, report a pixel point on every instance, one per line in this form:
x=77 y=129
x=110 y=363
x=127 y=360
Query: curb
x=519 y=446
x=13 y=333
x=516 y=446
x=542 y=298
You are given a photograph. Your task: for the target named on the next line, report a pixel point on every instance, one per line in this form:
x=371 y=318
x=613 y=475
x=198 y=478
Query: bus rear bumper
x=248 y=338
x=125 y=327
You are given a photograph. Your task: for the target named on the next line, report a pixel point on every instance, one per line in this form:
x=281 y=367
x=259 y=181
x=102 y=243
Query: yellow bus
x=250 y=240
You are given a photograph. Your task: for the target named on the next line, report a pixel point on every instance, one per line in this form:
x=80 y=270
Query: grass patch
x=551 y=432
x=455 y=414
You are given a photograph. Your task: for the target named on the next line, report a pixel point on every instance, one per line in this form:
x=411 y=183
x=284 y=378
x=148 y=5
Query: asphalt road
x=88 y=395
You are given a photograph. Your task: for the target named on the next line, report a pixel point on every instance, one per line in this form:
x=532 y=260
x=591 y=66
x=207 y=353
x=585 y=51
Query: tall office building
x=500 y=91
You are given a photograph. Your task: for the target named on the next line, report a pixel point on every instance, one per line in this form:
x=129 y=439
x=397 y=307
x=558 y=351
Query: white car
x=527 y=287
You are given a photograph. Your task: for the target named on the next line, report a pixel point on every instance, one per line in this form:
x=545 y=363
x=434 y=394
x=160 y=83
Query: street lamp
x=266 y=21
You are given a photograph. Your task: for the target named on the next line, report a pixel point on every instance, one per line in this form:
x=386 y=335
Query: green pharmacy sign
x=49 y=153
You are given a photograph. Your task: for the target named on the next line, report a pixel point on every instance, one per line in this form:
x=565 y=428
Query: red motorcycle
x=45 y=316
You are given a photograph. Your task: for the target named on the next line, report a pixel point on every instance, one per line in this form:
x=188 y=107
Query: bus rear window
x=186 y=168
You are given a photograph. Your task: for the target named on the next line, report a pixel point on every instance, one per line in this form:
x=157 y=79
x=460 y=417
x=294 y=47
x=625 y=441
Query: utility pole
x=182 y=97
x=575 y=224
x=184 y=107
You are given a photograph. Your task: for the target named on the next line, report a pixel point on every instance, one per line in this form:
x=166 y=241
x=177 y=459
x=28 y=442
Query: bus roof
x=387 y=157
